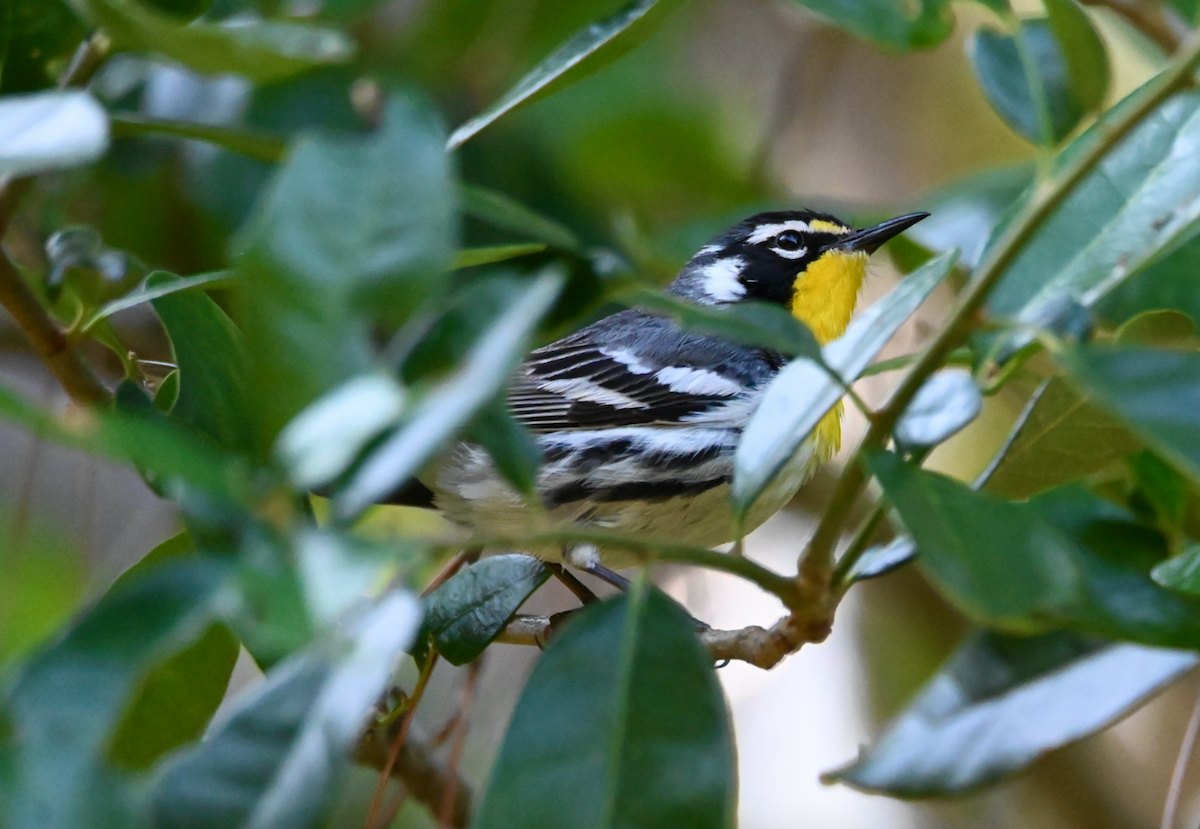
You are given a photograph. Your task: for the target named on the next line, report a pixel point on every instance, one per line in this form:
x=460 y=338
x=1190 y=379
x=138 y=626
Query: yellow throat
x=823 y=298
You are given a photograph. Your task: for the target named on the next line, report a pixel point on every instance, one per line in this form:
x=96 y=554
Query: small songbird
x=638 y=419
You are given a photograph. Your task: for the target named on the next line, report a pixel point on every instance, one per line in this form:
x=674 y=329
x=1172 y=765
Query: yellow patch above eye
x=823 y=226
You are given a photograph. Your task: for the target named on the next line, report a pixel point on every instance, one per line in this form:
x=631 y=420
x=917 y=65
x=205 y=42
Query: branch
x=420 y=774
x=816 y=563
x=1157 y=21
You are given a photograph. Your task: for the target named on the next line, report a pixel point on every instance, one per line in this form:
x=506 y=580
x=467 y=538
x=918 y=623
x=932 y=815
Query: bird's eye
x=788 y=240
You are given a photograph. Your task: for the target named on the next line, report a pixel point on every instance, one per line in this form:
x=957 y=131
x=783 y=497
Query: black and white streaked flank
x=638 y=420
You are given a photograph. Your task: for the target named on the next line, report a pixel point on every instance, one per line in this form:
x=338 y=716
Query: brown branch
x=1157 y=21
x=425 y=781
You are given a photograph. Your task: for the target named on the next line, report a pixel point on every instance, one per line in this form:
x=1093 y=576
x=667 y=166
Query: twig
x=1175 y=790
x=425 y=781
x=816 y=563
x=1157 y=21
x=397 y=742
x=445 y=814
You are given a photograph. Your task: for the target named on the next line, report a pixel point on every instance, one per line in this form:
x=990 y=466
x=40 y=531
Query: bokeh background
x=735 y=106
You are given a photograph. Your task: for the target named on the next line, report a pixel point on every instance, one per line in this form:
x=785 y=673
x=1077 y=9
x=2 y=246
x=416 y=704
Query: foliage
x=355 y=286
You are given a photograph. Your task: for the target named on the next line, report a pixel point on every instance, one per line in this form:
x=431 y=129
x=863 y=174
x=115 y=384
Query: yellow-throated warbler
x=638 y=419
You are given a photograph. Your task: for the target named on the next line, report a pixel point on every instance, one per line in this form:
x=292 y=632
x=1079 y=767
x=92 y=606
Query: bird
x=638 y=419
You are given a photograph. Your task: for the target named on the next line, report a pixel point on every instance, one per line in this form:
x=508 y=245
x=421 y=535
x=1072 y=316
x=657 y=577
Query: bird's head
x=810 y=263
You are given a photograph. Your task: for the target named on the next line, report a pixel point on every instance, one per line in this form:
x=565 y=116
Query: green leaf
x=1058 y=437
x=163 y=287
x=50 y=131
x=262 y=51
x=324 y=439
x=1181 y=572
x=513 y=448
x=452 y=404
x=1001 y=702
x=262 y=147
x=69 y=699
x=882 y=559
x=466 y=613
x=996 y=60
x=289 y=737
x=1155 y=391
x=1065 y=559
x=474 y=257
x=622 y=723
x=590 y=50
x=895 y=26
x=1083 y=49
x=942 y=407
x=352 y=229
x=1159 y=329
x=36 y=37
x=210 y=353
x=802 y=393
x=750 y=323
x=1138 y=202
x=505 y=213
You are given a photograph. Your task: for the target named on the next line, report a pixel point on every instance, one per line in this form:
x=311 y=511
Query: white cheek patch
x=697 y=381
x=798 y=253
x=719 y=280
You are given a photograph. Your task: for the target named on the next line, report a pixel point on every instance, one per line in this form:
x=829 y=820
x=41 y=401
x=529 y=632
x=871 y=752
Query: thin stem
x=857 y=547
x=398 y=743
x=817 y=560
x=1175 y=790
x=450 y=796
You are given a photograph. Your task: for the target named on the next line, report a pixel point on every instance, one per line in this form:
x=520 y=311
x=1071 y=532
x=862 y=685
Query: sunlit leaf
x=50 y=131
x=882 y=559
x=1003 y=701
x=802 y=393
x=622 y=723
x=942 y=407
x=1181 y=572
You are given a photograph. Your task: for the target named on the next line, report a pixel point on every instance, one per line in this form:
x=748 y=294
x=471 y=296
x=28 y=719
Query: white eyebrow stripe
x=765 y=232
x=719 y=280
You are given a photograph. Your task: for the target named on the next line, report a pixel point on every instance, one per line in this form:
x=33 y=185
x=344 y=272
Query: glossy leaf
x=997 y=63
x=210 y=353
x=1137 y=203
x=324 y=439
x=589 y=51
x=1155 y=391
x=262 y=51
x=751 y=323
x=353 y=228
x=621 y=723
x=1181 y=572
x=802 y=393
x=289 y=737
x=69 y=699
x=882 y=559
x=1065 y=559
x=50 y=131
x=1083 y=50
x=1059 y=437
x=451 y=405
x=1001 y=702
x=895 y=26
x=942 y=407
x=503 y=212
x=466 y=613
x=163 y=287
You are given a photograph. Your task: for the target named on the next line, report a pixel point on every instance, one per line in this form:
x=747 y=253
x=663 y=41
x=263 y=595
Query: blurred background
x=735 y=106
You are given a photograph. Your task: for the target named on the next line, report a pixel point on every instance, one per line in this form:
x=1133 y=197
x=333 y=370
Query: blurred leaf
x=589 y=51
x=898 y=27
x=163 y=287
x=288 y=738
x=1065 y=559
x=262 y=147
x=339 y=572
x=882 y=559
x=1058 y=437
x=167 y=394
x=1138 y=201
x=1001 y=702
x=1083 y=50
x=511 y=445
x=1181 y=572
x=1155 y=391
x=35 y=37
x=474 y=257
x=1169 y=280
x=179 y=697
x=802 y=392
x=353 y=228
x=466 y=613
x=503 y=212
x=751 y=323
x=262 y=51
x=622 y=723
x=1160 y=493
x=323 y=440
x=1159 y=329
x=69 y=699
x=451 y=405
x=943 y=406
x=1001 y=72
x=50 y=131
x=209 y=352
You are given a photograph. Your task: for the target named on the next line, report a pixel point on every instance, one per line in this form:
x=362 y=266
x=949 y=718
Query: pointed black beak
x=870 y=239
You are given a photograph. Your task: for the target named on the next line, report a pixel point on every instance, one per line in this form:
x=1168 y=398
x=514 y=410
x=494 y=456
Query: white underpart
x=697 y=381
x=789 y=254
x=720 y=279
x=628 y=359
x=580 y=388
